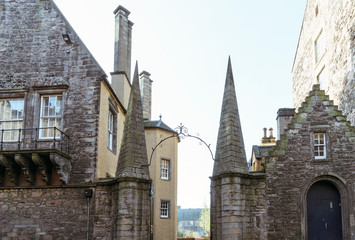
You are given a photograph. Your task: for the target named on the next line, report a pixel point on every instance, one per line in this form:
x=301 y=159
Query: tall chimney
x=123 y=40
x=146 y=93
x=122 y=59
x=284 y=117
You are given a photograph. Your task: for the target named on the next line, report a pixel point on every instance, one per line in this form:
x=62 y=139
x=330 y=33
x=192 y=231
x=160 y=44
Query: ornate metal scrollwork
x=181 y=132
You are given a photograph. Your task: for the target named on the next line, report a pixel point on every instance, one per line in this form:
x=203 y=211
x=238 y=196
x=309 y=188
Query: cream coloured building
x=113 y=104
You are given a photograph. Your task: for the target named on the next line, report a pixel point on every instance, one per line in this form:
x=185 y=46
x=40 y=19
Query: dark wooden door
x=324 y=212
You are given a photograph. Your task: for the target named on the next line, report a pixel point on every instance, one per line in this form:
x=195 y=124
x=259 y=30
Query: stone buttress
x=133 y=191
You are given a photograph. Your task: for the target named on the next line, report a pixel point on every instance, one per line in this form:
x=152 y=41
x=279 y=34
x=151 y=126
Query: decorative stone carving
x=11 y=167
x=62 y=166
x=27 y=166
x=44 y=167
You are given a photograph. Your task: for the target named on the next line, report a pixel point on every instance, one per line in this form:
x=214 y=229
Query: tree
x=204 y=221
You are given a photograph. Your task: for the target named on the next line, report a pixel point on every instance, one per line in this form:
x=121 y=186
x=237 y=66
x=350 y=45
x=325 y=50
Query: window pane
x=51 y=115
x=319 y=46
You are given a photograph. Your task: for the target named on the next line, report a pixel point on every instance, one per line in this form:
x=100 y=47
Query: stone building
x=325 y=54
x=307 y=178
x=73 y=154
x=302 y=187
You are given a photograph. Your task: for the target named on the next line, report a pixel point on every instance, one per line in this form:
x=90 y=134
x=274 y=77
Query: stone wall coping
x=248 y=175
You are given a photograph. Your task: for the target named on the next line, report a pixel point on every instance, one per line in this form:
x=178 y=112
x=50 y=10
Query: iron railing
x=33 y=138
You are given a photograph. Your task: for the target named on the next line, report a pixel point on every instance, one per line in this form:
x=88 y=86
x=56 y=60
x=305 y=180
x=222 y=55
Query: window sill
x=112 y=151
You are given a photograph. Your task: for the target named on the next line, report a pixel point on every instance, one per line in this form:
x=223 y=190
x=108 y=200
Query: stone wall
x=292 y=168
x=44 y=213
x=35 y=58
x=238 y=207
x=336 y=21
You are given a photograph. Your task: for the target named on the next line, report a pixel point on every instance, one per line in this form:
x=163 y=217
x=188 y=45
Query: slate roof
x=157 y=124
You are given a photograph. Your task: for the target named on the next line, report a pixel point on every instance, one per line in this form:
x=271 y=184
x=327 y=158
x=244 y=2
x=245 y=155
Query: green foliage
x=204 y=221
x=180 y=234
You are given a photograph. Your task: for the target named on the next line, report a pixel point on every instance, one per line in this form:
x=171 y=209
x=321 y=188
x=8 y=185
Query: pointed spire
x=133 y=152
x=230 y=153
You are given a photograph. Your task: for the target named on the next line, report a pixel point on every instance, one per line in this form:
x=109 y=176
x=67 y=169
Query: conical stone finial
x=133 y=158
x=230 y=152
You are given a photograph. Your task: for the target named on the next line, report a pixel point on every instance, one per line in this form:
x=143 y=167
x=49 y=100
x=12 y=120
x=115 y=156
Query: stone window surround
x=165 y=171
x=345 y=198
x=166 y=208
x=112 y=108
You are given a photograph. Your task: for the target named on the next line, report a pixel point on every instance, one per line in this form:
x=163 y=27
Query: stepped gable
x=133 y=153
x=230 y=152
x=316 y=112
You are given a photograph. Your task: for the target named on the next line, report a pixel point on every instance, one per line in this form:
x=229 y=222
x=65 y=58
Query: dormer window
x=319 y=144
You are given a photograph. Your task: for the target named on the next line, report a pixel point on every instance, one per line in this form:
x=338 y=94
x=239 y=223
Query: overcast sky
x=185 y=46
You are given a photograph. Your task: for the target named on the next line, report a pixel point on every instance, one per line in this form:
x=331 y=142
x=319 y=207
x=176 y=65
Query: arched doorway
x=324 y=220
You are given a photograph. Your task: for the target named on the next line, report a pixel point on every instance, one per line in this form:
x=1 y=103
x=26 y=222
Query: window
x=164 y=209
x=11 y=117
x=51 y=116
x=319 y=146
x=322 y=79
x=319 y=46
x=110 y=130
x=164 y=169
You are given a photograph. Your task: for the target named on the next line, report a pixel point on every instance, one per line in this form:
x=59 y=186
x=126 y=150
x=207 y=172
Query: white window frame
x=164 y=169
x=110 y=128
x=164 y=209
x=16 y=122
x=46 y=133
x=319 y=141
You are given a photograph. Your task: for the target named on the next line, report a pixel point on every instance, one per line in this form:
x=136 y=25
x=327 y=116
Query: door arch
x=324 y=215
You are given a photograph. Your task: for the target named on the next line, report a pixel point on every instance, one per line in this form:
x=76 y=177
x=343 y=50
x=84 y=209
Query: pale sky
x=185 y=46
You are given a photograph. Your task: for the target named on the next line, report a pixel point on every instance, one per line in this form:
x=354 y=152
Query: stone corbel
x=11 y=167
x=2 y=175
x=62 y=166
x=44 y=167
x=27 y=166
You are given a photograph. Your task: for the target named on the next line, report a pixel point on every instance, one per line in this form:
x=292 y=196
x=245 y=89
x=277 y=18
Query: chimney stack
x=284 y=117
x=122 y=59
x=123 y=40
x=146 y=93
